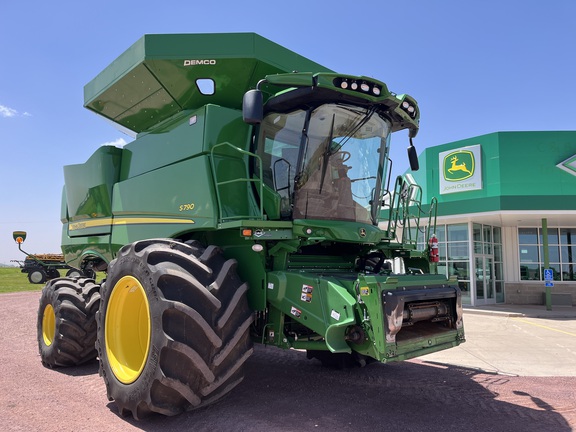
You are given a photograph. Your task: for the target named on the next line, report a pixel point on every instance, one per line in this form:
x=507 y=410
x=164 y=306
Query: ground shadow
x=283 y=391
x=88 y=368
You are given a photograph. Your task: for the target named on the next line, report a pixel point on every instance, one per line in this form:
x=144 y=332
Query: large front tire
x=173 y=327
x=66 y=326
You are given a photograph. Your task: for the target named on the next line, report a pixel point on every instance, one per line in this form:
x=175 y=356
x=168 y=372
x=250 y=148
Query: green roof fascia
x=496 y=204
x=513 y=164
x=504 y=203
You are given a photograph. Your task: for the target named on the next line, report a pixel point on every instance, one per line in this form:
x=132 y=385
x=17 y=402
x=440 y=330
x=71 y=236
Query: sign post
x=548 y=272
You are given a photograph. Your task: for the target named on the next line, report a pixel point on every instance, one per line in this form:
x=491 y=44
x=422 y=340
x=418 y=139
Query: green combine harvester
x=254 y=205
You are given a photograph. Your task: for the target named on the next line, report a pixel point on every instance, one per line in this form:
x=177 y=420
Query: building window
x=568 y=253
x=498 y=264
x=561 y=253
x=455 y=260
x=488 y=242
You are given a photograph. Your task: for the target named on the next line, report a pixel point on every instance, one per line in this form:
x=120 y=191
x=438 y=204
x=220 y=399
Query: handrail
x=406 y=211
x=247 y=179
x=412 y=199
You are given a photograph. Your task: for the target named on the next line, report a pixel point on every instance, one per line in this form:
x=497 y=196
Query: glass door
x=484 y=279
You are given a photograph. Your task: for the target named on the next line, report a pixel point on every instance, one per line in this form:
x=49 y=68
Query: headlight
x=362 y=86
x=409 y=108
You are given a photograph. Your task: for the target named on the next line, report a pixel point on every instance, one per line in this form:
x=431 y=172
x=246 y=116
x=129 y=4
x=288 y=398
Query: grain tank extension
x=254 y=206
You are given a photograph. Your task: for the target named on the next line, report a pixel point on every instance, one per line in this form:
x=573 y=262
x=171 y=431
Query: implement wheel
x=74 y=273
x=66 y=327
x=173 y=327
x=37 y=276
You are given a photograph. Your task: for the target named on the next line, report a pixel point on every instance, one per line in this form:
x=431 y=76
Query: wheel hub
x=48 y=325
x=127 y=329
x=36 y=277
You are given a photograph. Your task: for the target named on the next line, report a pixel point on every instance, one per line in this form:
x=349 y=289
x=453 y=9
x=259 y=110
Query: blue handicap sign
x=548 y=275
x=549 y=284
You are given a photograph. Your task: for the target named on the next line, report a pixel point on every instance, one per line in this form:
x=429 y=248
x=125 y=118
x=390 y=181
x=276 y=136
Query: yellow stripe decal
x=89 y=224
x=125 y=221
x=143 y=220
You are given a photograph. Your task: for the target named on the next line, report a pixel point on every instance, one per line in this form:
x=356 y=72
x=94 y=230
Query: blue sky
x=474 y=67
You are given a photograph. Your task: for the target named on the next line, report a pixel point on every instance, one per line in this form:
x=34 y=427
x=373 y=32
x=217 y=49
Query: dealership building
x=497 y=195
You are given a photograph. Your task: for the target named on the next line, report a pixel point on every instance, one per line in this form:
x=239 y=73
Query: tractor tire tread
x=75 y=322
x=203 y=341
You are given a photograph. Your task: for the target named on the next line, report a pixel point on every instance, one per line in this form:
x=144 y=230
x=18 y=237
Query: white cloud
x=7 y=112
x=120 y=142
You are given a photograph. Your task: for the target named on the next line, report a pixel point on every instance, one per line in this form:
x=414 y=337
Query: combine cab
x=254 y=205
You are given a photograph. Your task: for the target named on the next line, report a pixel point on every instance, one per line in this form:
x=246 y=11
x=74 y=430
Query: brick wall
x=533 y=293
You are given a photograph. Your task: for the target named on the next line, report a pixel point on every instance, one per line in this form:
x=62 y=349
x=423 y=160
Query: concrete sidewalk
x=517 y=340
x=533 y=311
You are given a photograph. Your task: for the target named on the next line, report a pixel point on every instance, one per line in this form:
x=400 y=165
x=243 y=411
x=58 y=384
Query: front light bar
x=362 y=86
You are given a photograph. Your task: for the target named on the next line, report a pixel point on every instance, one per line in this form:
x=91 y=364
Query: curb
x=493 y=313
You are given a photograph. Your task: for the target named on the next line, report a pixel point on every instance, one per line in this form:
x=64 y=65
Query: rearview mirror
x=253 y=107
x=413 y=157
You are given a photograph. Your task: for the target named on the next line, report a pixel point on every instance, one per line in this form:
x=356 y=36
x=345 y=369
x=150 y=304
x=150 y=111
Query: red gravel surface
x=282 y=391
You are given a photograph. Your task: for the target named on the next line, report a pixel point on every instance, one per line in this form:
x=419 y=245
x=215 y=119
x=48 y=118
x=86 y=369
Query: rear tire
x=173 y=327
x=66 y=327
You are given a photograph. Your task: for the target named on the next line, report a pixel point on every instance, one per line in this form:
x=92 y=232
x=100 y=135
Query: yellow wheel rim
x=127 y=329
x=48 y=325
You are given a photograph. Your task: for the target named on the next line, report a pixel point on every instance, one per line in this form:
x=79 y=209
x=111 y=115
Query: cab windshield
x=327 y=162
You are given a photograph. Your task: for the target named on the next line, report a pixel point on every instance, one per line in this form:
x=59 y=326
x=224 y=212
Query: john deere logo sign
x=461 y=170
x=458 y=165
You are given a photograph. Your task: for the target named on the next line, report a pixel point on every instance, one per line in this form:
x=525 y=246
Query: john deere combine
x=253 y=206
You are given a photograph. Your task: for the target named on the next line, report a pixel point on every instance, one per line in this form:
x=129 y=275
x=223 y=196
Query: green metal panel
x=329 y=304
x=187 y=134
x=157 y=76
x=178 y=198
x=175 y=141
x=251 y=265
x=89 y=188
x=226 y=125
x=76 y=248
x=320 y=302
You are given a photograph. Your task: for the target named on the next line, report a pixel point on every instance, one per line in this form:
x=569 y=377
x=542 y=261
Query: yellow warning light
x=246 y=232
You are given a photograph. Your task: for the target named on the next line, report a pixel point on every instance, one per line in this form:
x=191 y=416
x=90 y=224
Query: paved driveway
x=283 y=391
x=516 y=343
